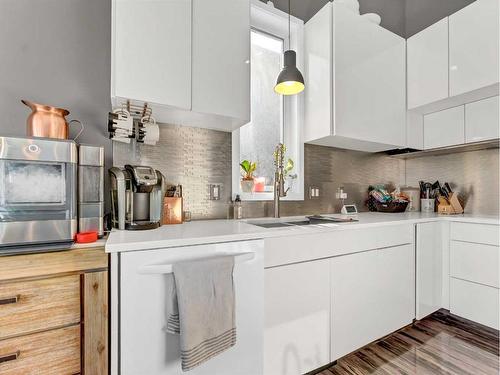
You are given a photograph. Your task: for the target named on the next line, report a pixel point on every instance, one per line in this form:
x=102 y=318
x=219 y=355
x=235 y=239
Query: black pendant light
x=290 y=80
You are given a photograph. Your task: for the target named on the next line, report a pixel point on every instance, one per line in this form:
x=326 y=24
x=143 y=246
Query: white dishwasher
x=144 y=346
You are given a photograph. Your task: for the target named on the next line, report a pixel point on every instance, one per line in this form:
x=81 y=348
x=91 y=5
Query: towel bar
x=167 y=268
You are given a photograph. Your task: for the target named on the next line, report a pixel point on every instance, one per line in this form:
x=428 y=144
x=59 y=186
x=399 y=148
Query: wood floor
x=439 y=344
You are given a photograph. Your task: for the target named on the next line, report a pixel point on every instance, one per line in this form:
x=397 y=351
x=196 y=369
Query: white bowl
x=351 y=4
x=372 y=17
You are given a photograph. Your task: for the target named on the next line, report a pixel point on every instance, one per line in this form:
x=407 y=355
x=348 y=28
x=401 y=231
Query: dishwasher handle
x=154 y=269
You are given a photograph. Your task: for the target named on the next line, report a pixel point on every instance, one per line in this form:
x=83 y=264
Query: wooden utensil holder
x=450 y=206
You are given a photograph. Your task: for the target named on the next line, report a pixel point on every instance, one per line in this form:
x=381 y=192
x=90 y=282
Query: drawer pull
x=9 y=300
x=9 y=357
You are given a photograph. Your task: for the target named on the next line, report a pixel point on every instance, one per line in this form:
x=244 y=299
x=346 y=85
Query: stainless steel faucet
x=279 y=177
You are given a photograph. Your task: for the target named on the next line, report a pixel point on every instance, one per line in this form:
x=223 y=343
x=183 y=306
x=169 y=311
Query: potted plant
x=247 y=180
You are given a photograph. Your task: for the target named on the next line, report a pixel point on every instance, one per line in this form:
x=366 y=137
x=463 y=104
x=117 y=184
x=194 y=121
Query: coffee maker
x=136 y=197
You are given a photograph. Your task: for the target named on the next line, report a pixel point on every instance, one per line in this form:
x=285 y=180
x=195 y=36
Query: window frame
x=266 y=19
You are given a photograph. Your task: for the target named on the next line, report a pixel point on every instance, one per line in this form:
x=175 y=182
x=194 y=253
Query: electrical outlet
x=313 y=192
x=215 y=190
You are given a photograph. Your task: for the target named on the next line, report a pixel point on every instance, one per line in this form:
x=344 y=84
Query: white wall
x=56 y=52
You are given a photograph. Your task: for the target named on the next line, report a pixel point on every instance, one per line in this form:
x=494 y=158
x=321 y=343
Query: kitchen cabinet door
x=297 y=318
x=369 y=88
x=476 y=302
x=356 y=82
x=482 y=120
x=429 y=266
x=427 y=62
x=474 y=47
x=372 y=296
x=444 y=128
x=152 y=51
x=221 y=58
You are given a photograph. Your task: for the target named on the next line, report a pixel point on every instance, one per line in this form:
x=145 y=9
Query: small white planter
x=247 y=186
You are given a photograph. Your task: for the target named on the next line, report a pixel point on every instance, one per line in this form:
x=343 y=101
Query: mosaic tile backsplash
x=196 y=158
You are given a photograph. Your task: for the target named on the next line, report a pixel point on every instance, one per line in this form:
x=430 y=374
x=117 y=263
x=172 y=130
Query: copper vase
x=46 y=121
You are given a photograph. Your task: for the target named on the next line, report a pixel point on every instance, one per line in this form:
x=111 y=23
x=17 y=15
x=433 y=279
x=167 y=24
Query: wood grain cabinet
x=54 y=313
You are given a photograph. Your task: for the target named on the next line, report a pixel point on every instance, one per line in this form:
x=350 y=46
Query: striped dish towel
x=201 y=308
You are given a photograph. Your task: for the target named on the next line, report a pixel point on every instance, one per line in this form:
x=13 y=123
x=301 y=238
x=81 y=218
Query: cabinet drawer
x=29 y=306
x=301 y=248
x=475 y=262
x=475 y=302
x=55 y=352
x=478 y=233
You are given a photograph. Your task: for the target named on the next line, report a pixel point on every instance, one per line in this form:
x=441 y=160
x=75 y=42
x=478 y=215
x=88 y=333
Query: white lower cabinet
x=297 y=318
x=474 y=272
x=475 y=262
x=429 y=269
x=476 y=302
x=372 y=296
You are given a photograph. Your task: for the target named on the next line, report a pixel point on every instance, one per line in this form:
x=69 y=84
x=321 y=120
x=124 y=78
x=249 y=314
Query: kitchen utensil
x=414 y=196
x=48 y=122
x=422 y=189
x=427 y=205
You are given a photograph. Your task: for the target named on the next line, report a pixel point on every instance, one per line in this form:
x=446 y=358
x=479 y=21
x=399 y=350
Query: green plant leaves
x=248 y=167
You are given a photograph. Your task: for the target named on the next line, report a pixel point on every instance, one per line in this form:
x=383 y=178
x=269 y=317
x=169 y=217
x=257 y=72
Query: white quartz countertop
x=214 y=231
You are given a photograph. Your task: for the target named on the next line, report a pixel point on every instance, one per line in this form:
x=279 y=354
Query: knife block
x=450 y=206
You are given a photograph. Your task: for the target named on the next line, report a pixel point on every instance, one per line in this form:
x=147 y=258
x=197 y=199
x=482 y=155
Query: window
x=274 y=119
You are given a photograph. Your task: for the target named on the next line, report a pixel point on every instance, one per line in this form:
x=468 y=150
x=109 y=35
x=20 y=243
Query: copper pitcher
x=46 y=121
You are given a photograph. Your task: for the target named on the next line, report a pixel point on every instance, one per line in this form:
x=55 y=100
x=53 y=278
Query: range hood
x=410 y=153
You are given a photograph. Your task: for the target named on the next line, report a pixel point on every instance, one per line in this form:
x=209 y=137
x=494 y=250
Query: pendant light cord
x=289 y=21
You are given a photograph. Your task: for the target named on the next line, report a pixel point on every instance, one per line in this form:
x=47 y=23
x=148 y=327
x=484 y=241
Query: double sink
x=309 y=220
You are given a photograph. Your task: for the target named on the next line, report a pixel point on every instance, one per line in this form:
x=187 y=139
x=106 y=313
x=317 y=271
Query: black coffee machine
x=136 y=197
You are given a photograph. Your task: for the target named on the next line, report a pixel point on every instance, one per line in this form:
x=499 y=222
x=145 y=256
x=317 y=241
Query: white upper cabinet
x=188 y=59
x=355 y=75
x=152 y=51
x=427 y=54
x=474 y=47
x=467 y=43
x=221 y=58
x=444 y=128
x=482 y=120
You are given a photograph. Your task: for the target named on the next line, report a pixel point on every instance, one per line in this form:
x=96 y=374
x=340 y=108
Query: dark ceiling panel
x=403 y=17
x=391 y=11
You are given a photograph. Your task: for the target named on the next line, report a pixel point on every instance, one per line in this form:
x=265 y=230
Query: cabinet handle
x=9 y=357
x=9 y=300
